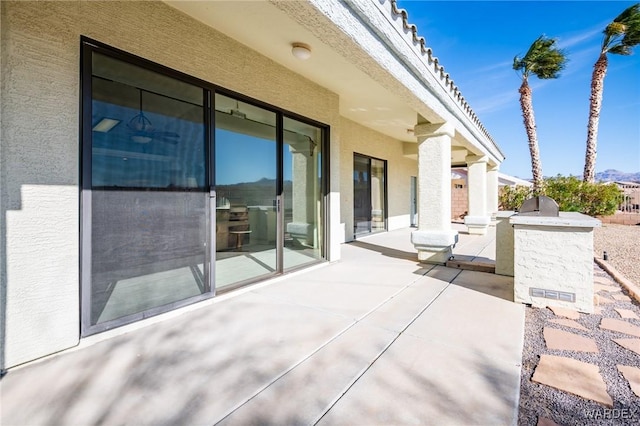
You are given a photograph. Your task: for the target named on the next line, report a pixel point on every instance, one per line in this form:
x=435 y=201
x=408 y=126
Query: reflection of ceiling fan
x=143 y=131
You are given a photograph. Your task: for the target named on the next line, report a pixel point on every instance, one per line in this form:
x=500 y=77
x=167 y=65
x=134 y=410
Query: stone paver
x=564 y=312
x=626 y=313
x=632 y=374
x=620 y=326
x=607 y=288
x=565 y=341
x=573 y=376
x=631 y=344
x=621 y=297
x=601 y=300
x=568 y=323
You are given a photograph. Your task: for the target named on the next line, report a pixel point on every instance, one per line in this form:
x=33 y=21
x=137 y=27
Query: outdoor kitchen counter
x=553 y=260
x=570 y=219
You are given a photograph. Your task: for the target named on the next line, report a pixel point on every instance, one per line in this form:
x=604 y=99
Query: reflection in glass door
x=413 y=208
x=302 y=187
x=246 y=192
x=369 y=195
x=144 y=200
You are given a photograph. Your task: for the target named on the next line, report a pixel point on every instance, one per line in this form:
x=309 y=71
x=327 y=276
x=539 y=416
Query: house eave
x=362 y=50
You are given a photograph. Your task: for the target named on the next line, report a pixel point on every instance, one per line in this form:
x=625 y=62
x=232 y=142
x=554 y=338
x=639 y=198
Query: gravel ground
x=536 y=400
x=622 y=244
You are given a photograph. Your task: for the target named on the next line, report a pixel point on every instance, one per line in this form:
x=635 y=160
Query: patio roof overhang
x=363 y=51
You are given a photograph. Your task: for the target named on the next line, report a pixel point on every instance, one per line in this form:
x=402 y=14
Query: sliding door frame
x=87 y=48
x=369 y=186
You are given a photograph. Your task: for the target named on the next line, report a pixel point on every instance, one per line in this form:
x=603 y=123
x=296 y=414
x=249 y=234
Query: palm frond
x=631 y=39
x=620 y=49
x=543 y=59
x=623 y=33
x=615 y=29
x=629 y=14
x=632 y=33
x=518 y=64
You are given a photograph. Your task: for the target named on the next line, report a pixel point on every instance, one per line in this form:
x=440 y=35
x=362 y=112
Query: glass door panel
x=302 y=200
x=361 y=195
x=246 y=190
x=147 y=208
x=369 y=195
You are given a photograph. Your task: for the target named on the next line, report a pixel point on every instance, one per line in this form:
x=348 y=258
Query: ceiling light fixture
x=301 y=51
x=237 y=113
x=105 y=125
x=141 y=126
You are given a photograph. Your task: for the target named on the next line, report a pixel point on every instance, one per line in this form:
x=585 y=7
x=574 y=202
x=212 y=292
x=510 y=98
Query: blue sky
x=476 y=42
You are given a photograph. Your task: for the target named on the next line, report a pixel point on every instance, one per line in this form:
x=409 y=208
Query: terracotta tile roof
x=439 y=70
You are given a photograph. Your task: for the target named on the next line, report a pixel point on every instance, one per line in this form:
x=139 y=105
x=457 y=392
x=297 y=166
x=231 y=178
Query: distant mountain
x=616 y=175
x=610 y=175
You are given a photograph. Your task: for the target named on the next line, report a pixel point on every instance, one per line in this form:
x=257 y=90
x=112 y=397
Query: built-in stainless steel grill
x=539 y=206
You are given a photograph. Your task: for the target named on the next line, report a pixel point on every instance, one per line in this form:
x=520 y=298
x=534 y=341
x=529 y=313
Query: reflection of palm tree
x=620 y=36
x=545 y=61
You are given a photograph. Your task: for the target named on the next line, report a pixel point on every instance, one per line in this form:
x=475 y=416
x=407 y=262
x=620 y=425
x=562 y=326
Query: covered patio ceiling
x=264 y=28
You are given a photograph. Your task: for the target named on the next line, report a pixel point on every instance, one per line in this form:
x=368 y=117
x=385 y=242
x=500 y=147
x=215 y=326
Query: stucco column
x=434 y=238
x=477 y=219
x=492 y=190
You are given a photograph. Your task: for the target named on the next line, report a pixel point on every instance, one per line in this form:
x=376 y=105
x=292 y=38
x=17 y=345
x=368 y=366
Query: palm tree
x=544 y=60
x=620 y=36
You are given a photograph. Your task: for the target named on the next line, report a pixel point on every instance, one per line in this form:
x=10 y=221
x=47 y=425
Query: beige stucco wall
x=358 y=139
x=40 y=144
x=553 y=258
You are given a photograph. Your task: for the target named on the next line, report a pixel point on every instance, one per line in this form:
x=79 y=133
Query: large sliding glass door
x=369 y=195
x=187 y=190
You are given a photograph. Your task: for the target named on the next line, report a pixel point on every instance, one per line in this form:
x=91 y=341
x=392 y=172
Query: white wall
x=40 y=144
x=355 y=138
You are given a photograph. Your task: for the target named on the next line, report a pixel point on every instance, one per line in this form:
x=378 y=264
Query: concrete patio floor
x=376 y=338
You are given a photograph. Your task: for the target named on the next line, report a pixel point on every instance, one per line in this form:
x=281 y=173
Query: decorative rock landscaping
x=583 y=369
